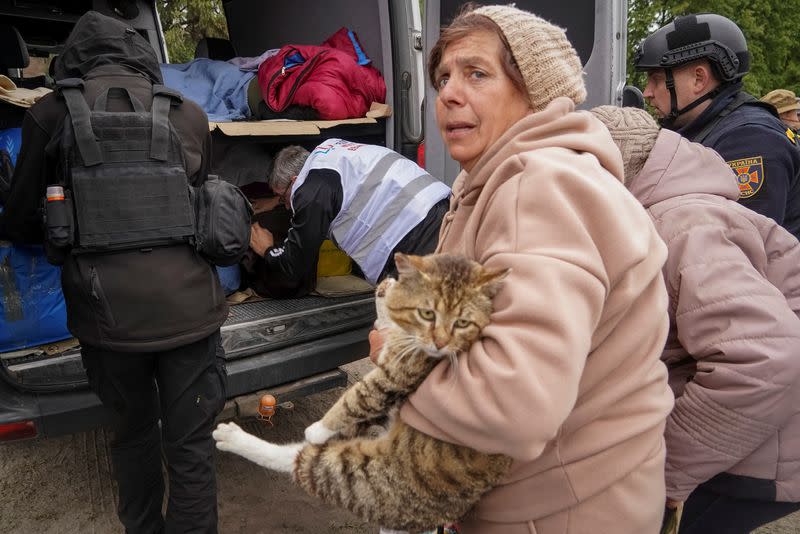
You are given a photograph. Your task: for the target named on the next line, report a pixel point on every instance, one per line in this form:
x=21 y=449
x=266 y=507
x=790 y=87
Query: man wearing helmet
x=695 y=67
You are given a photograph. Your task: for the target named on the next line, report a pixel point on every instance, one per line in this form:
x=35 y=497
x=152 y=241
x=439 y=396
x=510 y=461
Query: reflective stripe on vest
x=384 y=197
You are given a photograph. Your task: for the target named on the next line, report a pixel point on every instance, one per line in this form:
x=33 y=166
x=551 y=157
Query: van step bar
x=267 y=325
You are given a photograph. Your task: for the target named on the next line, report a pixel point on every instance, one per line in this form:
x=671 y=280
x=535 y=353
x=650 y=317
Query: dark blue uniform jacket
x=761 y=151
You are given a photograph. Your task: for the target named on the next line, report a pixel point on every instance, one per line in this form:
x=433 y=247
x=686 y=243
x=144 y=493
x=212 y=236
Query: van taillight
x=18 y=430
x=421 y=154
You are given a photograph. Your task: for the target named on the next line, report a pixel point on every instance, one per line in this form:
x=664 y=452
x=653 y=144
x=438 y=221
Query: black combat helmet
x=689 y=38
x=692 y=37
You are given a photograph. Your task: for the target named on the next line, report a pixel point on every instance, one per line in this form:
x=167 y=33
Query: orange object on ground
x=266 y=408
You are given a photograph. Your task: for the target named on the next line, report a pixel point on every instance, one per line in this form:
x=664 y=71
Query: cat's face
x=442 y=301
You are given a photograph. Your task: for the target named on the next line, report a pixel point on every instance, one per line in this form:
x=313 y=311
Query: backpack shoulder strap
x=162 y=100
x=71 y=89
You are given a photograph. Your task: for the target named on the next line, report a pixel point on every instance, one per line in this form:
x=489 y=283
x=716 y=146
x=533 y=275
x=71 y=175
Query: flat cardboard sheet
x=282 y=127
x=288 y=127
x=340 y=286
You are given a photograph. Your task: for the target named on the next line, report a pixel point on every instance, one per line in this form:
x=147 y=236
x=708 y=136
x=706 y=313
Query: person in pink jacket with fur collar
x=567 y=378
x=733 y=349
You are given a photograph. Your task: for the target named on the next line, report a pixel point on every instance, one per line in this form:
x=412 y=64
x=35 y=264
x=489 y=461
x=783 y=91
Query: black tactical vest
x=125 y=172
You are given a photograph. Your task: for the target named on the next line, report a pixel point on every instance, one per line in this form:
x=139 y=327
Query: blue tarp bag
x=10 y=141
x=32 y=309
x=230 y=278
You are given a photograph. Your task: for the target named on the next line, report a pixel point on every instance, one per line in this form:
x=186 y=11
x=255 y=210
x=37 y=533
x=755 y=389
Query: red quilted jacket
x=327 y=78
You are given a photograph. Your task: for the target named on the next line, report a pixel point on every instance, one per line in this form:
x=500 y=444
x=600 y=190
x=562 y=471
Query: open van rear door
x=597 y=30
x=409 y=75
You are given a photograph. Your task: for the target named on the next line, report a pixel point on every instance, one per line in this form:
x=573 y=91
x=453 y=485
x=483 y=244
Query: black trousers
x=184 y=388
x=708 y=512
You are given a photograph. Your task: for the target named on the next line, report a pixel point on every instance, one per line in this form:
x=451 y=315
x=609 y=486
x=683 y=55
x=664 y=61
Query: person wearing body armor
x=371 y=201
x=147 y=314
x=695 y=67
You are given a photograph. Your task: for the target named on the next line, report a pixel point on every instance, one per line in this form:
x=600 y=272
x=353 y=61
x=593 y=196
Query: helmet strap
x=669 y=120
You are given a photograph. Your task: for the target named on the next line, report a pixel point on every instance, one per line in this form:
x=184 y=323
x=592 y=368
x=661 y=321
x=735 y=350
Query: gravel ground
x=63 y=485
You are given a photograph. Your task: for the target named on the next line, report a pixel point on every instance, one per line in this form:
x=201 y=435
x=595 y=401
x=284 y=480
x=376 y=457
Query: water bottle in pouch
x=59 y=227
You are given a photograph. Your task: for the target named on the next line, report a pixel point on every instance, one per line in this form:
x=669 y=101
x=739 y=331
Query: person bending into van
x=733 y=278
x=371 y=201
x=147 y=318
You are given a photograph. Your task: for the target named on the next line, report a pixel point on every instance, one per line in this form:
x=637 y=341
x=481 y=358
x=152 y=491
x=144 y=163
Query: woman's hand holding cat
x=375 y=344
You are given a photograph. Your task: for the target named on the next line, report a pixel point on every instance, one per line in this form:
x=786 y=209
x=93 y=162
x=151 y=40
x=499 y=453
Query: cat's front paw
x=229 y=437
x=318 y=433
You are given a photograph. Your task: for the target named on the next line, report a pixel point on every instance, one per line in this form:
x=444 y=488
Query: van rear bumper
x=60 y=413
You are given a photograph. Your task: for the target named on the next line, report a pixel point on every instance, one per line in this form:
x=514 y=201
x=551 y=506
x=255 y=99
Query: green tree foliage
x=187 y=21
x=772 y=29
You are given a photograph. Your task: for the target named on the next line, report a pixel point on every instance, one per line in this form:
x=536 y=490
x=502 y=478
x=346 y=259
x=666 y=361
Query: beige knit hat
x=782 y=99
x=634 y=131
x=547 y=60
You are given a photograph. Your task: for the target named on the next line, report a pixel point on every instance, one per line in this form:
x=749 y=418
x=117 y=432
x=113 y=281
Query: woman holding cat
x=566 y=378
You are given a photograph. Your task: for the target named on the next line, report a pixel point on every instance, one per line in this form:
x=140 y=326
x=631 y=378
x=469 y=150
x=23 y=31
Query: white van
x=285 y=347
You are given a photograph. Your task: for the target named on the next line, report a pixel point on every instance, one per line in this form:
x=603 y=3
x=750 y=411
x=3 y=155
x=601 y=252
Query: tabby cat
x=402 y=479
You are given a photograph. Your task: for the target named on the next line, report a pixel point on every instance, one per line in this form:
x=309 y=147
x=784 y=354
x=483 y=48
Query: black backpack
x=223 y=216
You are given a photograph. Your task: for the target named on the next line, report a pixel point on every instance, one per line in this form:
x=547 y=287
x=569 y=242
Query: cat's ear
x=407 y=264
x=491 y=280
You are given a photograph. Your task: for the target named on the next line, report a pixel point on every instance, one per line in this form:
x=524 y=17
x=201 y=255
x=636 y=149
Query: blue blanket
x=217 y=86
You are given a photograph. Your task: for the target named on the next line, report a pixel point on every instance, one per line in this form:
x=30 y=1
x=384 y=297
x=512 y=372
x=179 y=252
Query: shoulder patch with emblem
x=749 y=175
x=791 y=135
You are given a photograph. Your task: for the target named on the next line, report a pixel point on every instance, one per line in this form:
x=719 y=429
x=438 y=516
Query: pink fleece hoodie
x=733 y=349
x=567 y=378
